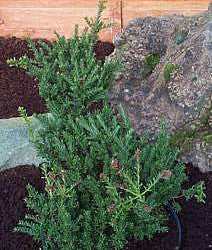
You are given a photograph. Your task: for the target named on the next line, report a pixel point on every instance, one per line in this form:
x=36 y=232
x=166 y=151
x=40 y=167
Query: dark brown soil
x=16 y=87
x=195 y=218
x=12 y=207
x=19 y=89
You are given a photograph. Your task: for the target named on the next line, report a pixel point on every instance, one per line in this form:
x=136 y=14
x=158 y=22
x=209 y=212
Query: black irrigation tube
x=173 y=213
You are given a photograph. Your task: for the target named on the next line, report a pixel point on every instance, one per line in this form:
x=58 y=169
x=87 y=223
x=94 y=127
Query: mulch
x=18 y=89
x=12 y=206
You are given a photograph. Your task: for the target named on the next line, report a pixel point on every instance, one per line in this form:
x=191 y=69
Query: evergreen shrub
x=103 y=185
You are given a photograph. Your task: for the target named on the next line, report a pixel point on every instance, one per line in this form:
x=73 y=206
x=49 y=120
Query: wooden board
x=39 y=19
x=133 y=9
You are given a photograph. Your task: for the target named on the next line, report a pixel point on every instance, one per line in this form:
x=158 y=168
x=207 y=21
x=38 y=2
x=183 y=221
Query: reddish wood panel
x=133 y=9
x=39 y=19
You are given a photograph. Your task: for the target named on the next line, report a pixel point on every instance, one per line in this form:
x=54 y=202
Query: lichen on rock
x=184 y=98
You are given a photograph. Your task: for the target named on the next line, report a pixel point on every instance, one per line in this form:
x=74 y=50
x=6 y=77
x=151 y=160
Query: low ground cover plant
x=103 y=185
x=150 y=62
x=168 y=69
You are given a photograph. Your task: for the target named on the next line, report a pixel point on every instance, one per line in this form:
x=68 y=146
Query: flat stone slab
x=15 y=146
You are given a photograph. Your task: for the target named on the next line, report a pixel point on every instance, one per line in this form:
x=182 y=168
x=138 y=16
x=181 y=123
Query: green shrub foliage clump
x=102 y=183
x=150 y=62
x=168 y=69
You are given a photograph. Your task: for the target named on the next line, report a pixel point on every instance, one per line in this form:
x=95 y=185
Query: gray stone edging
x=15 y=147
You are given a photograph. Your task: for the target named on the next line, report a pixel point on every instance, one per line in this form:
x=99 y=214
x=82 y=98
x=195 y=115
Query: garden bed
x=196 y=218
x=18 y=89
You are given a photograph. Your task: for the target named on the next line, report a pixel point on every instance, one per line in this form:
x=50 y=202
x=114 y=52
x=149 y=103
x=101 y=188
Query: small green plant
x=183 y=137
x=103 y=185
x=96 y=24
x=205 y=117
x=168 y=69
x=124 y=47
x=207 y=137
x=150 y=62
x=181 y=35
x=22 y=62
x=23 y=114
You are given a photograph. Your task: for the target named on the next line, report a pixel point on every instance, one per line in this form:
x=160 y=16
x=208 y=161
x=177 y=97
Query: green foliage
x=96 y=24
x=23 y=114
x=207 y=137
x=168 y=69
x=69 y=75
x=102 y=183
x=22 y=62
x=198 y=189
x=205 y=117
x=150 y=62
x=181 y=35
x=124 y=47
x=183 y=137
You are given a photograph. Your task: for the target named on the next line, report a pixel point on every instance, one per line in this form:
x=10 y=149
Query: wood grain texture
x=40 y=18
x=133 y=9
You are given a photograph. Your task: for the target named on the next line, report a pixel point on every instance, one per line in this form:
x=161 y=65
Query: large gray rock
x=185 y=101
x=15 y=146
